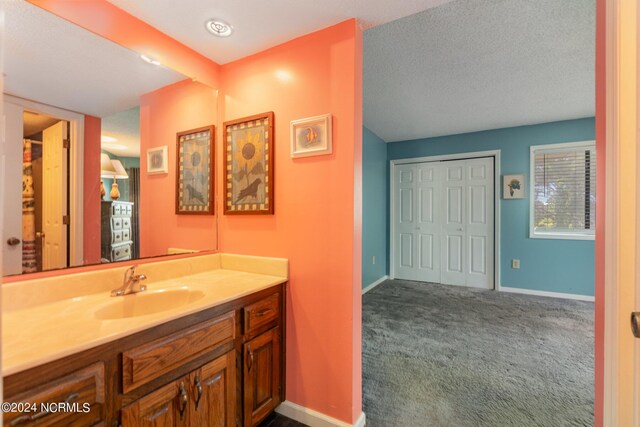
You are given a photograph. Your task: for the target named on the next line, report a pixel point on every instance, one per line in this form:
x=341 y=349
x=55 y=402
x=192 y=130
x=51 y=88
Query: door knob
x=13 y=241
x=40 y=234
x=635 y=323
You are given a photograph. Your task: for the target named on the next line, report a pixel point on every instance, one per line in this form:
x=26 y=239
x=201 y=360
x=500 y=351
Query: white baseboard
x=314 y=418
x=374 y=284
x=547 y=294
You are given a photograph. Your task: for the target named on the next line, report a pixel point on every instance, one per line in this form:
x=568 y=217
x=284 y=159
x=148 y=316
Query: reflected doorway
x=45 y=192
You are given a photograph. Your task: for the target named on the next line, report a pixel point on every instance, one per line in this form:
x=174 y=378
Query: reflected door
x=12 y=189
x=54 y=196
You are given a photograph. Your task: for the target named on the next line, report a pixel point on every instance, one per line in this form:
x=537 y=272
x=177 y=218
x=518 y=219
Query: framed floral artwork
x=311 y=136
x=248 y=160
x=513 y=187
x=194 y=171
x=157 y=160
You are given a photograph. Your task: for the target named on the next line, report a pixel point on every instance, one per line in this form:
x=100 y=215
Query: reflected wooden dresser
x=116 y=234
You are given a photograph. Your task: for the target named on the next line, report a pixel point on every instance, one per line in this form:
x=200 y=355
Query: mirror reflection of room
x=120 y=186
x=107 y=108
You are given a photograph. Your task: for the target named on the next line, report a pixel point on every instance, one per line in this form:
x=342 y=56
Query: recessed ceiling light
x=114 y=146
x=145 y=58
x=104 y=138
x=218 y=28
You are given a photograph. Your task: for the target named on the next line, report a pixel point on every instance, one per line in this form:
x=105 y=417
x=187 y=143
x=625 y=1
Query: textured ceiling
x=260 y=24
x=52 y=61
x=480 y=64
x=125 y=128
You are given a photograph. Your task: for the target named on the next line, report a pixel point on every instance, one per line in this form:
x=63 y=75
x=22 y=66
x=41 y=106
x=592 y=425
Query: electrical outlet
x=515 y=263
x=373 y=260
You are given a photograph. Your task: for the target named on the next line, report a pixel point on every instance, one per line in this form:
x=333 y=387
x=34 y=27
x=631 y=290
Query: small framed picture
x=513 y=186
x=157 y=160
x=248 y=165
x=194 y=171
x=311 y=136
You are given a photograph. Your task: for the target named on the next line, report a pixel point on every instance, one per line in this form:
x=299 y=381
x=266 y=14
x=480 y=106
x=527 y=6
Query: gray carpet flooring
x=436 y=355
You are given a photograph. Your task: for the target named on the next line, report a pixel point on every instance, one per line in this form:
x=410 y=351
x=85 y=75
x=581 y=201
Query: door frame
x=456 y=156
x=621 y=376
x=76 y=172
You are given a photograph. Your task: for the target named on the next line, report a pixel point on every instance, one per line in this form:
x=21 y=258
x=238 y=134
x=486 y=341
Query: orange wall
x=317 y=208
x=178 y=107
x=601 y=120
x=91 y=224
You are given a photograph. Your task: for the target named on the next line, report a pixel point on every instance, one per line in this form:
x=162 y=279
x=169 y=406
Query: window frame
x=555 y=148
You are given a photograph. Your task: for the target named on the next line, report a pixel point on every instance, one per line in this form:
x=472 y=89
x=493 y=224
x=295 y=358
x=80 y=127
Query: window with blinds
x=563 y=191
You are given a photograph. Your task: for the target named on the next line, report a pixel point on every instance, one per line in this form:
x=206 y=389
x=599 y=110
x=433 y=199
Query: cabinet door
x=165 y=407
x=261 y=376
x=213 y=393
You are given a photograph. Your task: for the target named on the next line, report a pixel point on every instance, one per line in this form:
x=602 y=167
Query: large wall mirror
x=84 y=120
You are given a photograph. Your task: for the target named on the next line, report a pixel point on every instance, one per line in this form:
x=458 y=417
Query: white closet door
x=404 y=244
x=454 y=256
x=479 y=223
x=428 y=218
x=444 y=222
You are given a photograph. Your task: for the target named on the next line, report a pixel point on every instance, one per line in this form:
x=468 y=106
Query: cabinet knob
x=184 y=399
x=250 y=361
x=198 y=391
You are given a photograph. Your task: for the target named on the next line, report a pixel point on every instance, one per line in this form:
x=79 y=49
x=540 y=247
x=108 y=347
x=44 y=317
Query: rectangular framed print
x=194 y=171
x=248 y=163
x=311 y=136
x=513 y=186
x=157 y=160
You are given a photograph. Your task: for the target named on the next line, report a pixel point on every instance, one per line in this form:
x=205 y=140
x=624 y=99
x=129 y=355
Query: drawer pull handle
x=263 y=312
x=198 y=391
x=30 y=418
x=184 y=398
x=250 y=361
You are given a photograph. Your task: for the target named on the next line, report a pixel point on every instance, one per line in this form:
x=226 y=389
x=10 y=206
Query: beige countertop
x=34 y=335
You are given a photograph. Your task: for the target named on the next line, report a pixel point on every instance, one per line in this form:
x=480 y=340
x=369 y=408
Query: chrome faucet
x=131 y=283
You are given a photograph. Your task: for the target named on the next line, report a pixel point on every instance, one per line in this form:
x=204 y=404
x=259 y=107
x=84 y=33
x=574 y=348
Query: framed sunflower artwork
x=194 y=171
x=248 y=159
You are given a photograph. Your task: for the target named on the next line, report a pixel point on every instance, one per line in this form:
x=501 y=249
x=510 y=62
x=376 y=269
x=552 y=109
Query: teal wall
x=123 y=185
x=374 y=207
x=565 y=266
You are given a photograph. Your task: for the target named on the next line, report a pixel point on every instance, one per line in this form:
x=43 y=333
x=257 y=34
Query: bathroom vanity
x=204 y=348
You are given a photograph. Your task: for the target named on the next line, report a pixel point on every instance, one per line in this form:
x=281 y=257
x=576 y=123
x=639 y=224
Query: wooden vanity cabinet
x=261 y=376
x=220 y=367
x=204 y=398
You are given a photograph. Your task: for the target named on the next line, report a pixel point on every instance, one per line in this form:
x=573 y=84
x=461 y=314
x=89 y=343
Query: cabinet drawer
x=116 y=223
x=115 y=209
x=116 y=236
x=126 y=235
x=81 y=393
x=145 y=363
x=126 y=223
x=121 y=253
x=261 y=313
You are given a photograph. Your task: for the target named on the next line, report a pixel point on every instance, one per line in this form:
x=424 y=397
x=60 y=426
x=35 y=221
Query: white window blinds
x=564 y=190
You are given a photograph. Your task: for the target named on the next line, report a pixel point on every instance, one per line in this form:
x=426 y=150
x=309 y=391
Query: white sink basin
x=147 y=302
